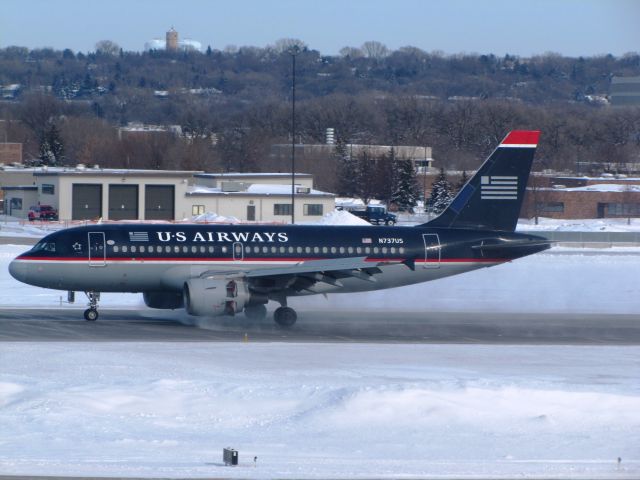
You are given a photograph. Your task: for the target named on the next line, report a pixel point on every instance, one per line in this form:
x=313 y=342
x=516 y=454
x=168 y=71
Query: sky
x=569 y=27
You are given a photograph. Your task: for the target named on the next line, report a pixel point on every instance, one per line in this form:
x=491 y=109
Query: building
x=625 y=91
x=10 y=153
x=260 y=197
x=80 y=193
x=582 y=197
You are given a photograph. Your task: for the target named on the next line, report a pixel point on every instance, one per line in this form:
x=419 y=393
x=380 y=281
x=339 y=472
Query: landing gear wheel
x=91 y=314
x=255 y=312
x=285 y=316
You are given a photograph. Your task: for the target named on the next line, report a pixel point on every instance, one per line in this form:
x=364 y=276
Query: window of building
x=550 y=207
x=197 y=209
x=282 y=209
x=312 y=209
x=623 y=209
x=48 y=189
x=15 y=204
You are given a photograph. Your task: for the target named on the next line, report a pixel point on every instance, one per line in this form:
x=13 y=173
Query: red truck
x=42 y=212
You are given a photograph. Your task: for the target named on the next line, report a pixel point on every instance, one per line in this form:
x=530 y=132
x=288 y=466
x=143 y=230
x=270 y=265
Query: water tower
x=172 y=40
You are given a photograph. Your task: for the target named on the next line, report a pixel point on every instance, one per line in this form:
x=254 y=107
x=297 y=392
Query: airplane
x=213 y=270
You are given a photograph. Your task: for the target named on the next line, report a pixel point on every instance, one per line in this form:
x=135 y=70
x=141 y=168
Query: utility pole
x=293 y=52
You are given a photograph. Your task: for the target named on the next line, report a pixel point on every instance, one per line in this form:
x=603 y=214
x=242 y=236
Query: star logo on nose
x=77 y=246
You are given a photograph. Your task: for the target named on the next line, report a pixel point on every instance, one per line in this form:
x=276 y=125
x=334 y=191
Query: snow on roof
x=260 y=174
x=254 y=189
x=603 y=187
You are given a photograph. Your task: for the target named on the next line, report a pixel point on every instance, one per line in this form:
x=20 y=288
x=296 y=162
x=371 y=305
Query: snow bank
x=211 y=217
x=340 y=217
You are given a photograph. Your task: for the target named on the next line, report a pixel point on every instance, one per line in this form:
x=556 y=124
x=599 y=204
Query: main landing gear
x=285 y=316
x=91 y=313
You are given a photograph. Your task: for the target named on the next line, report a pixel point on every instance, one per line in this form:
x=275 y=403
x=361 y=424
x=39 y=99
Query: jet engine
x=215 y=296
x=164 y=300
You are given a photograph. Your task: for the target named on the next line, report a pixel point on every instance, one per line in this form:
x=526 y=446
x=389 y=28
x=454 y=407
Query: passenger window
x=151 y=248
x=194 y=249
x=125 y=249
x=325 y=250
x=211 y=249
x=203 y=249
x=350 y=249
x=142 y=248
x=393 y=249
x=281 y=249
x=265 y=249
x=376 y=250
x=224 y=249
x=333 y=249
x=307 y=249
x=116 y=249
x=176 y=249
x=167 y=249
x=185 y=249
x=274 y=249
x=367 y=250
x=299 y=249
x=290 y=249
x=316 y=249
x=401 y=249
x=341 y=249
x=358 y=249
x=133 y=249
x=384 y=250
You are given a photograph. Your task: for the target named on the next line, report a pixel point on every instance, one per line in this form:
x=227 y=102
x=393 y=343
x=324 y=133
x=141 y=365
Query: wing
x=313 y=276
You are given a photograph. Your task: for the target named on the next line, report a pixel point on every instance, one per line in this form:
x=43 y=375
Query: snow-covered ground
x=339 y=410
x=319 y=410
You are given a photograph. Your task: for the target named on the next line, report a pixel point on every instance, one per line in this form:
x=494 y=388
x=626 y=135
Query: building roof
x=257 y=189
x=233 y=175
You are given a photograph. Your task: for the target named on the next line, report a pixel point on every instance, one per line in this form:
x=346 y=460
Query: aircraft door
x=97 y=250
x=432 y=250
x=238 y=251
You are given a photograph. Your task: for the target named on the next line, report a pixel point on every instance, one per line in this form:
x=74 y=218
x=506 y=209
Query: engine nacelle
x=215 y=296
x=164 y=300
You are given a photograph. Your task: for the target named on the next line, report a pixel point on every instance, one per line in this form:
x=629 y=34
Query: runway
x=66 y=324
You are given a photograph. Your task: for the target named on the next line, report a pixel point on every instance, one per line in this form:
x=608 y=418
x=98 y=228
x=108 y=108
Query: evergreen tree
x=51 y=147
x=441 y=194
x=463 y=181
x=406 y=193
x=348 y=171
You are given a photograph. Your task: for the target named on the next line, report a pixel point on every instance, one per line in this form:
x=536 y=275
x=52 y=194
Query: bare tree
x=107 y=47
x=374 y=50
x=351 y=52
x=286 y=44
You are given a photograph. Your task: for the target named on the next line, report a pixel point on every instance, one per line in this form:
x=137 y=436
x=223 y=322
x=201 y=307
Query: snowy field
x=339 y=410
x=319 y=410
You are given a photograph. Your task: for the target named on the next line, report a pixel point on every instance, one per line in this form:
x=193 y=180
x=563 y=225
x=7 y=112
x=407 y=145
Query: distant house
x=625 y=91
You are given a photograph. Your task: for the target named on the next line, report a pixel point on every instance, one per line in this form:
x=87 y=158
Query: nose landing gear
x=91 y=313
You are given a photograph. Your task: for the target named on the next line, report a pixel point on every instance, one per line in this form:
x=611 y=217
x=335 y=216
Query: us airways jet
x=226 y=269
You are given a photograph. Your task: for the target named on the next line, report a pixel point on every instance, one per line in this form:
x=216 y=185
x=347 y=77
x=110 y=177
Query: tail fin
x=492 y=198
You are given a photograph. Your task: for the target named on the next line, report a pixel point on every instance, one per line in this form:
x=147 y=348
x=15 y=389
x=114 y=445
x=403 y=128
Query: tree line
x=233 y=105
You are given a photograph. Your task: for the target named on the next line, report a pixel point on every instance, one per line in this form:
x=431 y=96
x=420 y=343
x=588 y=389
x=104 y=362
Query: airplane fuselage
x=138 y=258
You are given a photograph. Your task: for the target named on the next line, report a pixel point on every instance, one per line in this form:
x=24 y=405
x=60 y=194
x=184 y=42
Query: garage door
x=86 y=201
x=159 y=202
x=123 y=202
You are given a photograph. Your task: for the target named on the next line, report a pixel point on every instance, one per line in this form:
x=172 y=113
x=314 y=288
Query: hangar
x=81 y=193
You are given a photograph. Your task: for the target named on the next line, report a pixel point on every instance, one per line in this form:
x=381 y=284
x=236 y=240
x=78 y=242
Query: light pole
x=293 y=51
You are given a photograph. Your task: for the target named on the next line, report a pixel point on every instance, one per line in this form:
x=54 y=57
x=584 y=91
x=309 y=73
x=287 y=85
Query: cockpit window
x=44 y=247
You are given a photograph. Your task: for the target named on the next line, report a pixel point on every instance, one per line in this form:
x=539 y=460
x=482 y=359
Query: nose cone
x=18 y=270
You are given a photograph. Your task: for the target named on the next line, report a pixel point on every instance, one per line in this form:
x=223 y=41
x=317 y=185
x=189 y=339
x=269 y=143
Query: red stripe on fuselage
x=249 y=259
